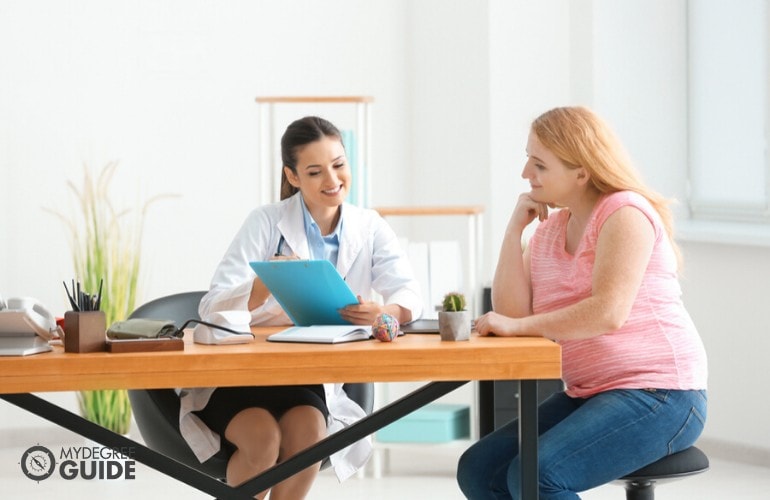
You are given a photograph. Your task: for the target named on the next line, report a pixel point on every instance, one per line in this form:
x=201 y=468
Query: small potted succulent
x=454 y=322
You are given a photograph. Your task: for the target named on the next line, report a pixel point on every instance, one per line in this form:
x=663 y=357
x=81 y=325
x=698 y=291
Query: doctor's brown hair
x=298 y=134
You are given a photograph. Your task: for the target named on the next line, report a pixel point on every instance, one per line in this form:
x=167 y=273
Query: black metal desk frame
x=528 y=438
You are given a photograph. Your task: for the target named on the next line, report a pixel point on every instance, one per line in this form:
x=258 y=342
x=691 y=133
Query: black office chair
x=640 y=485
x=156 y=411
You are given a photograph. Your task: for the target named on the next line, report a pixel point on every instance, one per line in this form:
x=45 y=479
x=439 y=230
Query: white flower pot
x=454 y=325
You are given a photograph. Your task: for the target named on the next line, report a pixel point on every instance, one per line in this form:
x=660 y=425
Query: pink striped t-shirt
x=657 y=347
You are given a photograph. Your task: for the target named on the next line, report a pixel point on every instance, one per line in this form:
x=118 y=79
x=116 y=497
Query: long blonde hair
x=580 y=138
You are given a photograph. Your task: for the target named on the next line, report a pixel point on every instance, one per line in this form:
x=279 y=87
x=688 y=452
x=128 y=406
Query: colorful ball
x=385 y=328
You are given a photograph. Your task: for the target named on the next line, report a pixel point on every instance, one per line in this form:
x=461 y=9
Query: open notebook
x=323 y=334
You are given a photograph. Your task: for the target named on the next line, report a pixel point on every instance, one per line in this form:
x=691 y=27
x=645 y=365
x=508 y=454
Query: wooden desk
x=413 y=357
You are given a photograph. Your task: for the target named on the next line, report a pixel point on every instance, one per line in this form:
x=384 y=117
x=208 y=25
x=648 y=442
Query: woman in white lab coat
x=263 y=426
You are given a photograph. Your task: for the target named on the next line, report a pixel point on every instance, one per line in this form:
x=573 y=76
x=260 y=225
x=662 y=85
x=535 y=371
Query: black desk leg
x=487 y=407
x=528 y=436
x=168 y=466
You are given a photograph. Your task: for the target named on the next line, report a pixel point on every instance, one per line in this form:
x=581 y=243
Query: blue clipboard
x=310 y=291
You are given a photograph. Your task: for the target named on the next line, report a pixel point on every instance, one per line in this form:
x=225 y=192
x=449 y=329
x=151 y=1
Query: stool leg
x=636 y=490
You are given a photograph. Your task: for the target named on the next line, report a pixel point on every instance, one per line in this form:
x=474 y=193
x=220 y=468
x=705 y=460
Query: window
x=729 y=175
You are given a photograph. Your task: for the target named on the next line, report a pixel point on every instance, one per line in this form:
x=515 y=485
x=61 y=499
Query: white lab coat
x=370 y=259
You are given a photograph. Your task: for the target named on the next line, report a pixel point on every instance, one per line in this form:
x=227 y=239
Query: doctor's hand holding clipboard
x=313 y=293
x=363 y=313
x=315 y=181
x=360 y=313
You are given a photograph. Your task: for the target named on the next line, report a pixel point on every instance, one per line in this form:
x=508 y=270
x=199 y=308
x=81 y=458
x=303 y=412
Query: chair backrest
x=178 y=307
x=156 y=411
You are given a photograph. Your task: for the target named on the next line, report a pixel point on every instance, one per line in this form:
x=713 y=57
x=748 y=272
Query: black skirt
x=226 y=402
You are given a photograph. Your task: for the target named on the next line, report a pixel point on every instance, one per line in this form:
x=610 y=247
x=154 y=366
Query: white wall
x=168 y=89
x=529 y=46
x=726 y=289
x=448 y=88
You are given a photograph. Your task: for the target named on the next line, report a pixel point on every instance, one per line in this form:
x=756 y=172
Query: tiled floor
x=414 y=473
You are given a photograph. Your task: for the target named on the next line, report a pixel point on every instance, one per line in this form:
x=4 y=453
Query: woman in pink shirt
x=599 y=276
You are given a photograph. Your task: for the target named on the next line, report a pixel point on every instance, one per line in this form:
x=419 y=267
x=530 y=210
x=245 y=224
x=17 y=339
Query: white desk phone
x=26 y=326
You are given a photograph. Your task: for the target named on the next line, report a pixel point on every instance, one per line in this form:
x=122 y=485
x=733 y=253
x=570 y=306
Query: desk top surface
x=413 y=357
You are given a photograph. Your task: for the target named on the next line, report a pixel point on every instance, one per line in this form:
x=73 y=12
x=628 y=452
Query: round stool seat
x=640 y=484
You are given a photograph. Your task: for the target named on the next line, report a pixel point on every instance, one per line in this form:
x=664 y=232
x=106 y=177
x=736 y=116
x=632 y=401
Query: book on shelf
x=323 y=334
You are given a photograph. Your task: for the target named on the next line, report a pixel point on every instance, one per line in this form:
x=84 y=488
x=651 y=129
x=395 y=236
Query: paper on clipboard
x=310 y=291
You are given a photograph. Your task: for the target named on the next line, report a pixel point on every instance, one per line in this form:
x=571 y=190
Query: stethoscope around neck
x=281 y=246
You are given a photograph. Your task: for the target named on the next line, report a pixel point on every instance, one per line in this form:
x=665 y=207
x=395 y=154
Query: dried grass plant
x=106 y=245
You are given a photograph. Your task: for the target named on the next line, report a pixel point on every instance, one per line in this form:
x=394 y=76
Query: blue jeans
x=585 y=443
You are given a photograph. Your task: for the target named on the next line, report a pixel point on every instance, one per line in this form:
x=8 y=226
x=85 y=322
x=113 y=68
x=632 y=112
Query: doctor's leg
x=301 y=427
x=257 y=437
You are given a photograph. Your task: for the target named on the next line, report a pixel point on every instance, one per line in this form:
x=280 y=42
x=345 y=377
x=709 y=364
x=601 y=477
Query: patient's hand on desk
x=493 y=323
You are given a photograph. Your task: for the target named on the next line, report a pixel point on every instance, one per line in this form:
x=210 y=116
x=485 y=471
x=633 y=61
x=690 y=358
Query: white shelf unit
x=474 y=228
x=269 y=140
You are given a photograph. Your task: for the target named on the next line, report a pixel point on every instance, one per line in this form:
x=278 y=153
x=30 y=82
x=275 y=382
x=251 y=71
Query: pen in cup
x=82 y=301
x=69 y=296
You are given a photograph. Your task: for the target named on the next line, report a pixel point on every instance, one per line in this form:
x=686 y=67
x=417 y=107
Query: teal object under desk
x=434 y=423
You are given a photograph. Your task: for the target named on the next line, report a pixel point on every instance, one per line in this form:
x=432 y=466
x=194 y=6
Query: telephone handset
x=25 y=315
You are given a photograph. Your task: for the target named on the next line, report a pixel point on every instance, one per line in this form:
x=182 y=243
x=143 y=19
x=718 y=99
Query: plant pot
x=454 y=325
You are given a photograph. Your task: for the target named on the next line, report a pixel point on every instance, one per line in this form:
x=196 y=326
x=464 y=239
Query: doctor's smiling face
x=321 y=173
x=315 y=164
